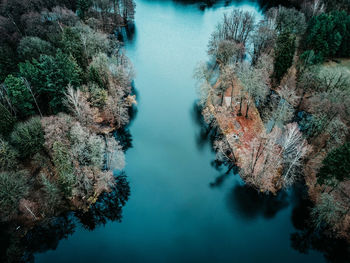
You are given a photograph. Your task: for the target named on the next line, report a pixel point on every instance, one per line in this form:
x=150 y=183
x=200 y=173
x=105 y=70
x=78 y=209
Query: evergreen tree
x=284 y=54
x=336 y=165
x=7 y=121
x=328 y=35
x=83 y=7
x=20 y=96
x=50 y=76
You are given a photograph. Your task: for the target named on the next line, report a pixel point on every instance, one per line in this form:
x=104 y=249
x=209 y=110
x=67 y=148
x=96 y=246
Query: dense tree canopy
x=285 y=49
x=49 y=77
x=336 y=165
x=63 y=79
x=328 y=35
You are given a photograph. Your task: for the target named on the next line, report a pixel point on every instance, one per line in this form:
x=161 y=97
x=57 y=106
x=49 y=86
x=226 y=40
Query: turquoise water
x=174 y=213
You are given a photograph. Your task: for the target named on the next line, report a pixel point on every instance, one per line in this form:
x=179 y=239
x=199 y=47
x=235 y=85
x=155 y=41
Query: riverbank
x=295 y=123
x=63 y=98
x=241 y=134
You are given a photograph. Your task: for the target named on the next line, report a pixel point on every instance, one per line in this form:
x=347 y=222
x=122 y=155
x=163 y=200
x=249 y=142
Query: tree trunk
x=240 y=107
x=232 y=97
x=246 y=113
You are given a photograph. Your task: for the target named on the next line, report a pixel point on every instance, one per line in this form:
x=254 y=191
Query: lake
x=182 y=208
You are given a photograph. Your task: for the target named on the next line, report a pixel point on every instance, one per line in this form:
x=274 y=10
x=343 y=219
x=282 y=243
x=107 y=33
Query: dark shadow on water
x=47 y=235
x=18 y=245
x=109 y=206
x=204 y=4
x=206 y=134
x=231 y=169
x=249 y=204
x=308 y=238
x=126 y=34
x=124 y=137
x=219 y=180
x=134 y=109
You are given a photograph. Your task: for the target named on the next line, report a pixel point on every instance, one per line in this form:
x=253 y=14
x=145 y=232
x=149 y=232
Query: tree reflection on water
x=308 y=238
x=20 y=245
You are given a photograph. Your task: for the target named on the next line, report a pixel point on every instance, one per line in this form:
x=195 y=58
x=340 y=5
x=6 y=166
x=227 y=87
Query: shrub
x=28 y=137
x=62 y=160
x=289 y=20
x=8 y=61
x=7 y=121
x=13 y=187
x=33 y=47
x=86 y=147
x=98 y=71
x=8 y=156
x=336 y=165
x=98 y=97
x=52 y=194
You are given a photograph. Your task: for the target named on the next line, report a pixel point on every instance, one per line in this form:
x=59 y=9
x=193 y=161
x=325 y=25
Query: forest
x=65 y=89
x=276 y=92
x=273 y=100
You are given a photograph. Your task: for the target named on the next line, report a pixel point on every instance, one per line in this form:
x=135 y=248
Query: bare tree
x=261 y=161
x=313 y=8
x=332 y=78
x=73 y=100
x=77 y=104
x=226 y=51
x=287 y=91
x=204 y=76
x=280 y=113
x=287 y=20
x=250 y=79
x=295 y=149
x=329 y=115
x=236 y=27
x=5 y=100
x=263 y=40
x=115 y=158
x=327 y=211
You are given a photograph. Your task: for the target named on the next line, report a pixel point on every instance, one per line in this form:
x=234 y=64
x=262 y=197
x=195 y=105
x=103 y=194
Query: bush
x=52 y=194
x=13 y=187
x=336 y=165
x=83 y=7
x=310 y=58
x=62 y=160
x=8 y=61
x=98 y=97
x=87 y=148
x=289 y=20
x=33 y=47
x=7 y=121
x=98 y=71
x=28 y=137
x=72 y=44
x=8 y=156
